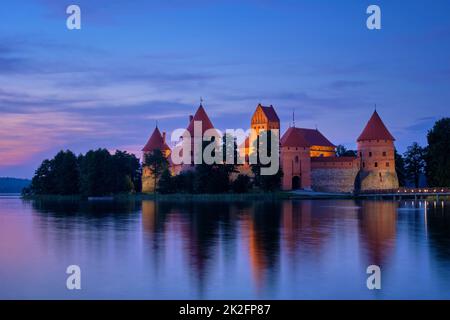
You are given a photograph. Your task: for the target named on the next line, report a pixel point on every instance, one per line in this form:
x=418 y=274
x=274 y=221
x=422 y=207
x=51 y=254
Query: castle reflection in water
x=240 y=249
x=269 y=230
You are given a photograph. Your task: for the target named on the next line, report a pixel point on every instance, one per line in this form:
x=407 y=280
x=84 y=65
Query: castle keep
x=308 y=159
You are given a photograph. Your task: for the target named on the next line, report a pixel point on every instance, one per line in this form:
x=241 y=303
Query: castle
x=308 y=159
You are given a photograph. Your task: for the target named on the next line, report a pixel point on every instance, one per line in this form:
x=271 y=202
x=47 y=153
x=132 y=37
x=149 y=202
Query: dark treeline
x=431 y=161
x=97 y=173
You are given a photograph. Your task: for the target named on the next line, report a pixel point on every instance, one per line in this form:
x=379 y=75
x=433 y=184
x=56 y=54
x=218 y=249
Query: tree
x=66 y=174
x=42 y=179
x=242 y=184
x=437 y=155
x=414 y=163
x=400 y=168
x=184 y=182
x=271 y=182
x=58 y=176
x=156 y=162
x=97 y=173
x=267 y=182
x=341 y=151
x=166 y=183
x=127 y=172
x=211 y=178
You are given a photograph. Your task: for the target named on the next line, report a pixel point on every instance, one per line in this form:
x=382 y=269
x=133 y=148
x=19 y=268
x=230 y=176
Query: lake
x=290 y=249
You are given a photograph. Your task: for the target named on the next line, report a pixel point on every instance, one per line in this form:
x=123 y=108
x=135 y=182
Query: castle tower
x=200 y=117
x=376 y=154
x=263 y=119
x=295 y=160
x=156 y=141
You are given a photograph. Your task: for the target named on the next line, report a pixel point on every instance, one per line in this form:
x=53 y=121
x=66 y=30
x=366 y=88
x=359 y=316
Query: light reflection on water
x=225 y=250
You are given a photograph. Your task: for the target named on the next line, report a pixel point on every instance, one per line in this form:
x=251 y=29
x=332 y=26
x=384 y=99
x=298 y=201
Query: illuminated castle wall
x=308 y=159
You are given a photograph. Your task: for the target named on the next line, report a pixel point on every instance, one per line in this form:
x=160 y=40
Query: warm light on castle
x=307 y=158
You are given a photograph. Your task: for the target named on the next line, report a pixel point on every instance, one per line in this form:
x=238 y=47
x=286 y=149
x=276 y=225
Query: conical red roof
x=375 y=130
x=201 y=116
x=156 y=141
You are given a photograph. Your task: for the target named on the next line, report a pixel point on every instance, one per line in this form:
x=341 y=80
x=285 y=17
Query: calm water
x=223 y=250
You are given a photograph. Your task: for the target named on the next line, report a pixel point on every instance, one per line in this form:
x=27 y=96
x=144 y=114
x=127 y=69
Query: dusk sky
x=137 y=62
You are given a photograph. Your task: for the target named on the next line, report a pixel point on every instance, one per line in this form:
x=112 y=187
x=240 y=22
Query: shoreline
x=288 y=195
x=273 y=196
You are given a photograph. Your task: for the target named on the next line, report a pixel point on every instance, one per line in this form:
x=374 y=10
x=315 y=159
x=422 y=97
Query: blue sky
x=137 y=62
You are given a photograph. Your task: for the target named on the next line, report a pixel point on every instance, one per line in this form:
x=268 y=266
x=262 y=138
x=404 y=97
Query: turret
x=376 y=153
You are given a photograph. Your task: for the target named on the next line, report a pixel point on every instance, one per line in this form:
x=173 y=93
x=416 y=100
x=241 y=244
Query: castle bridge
x=406 y=193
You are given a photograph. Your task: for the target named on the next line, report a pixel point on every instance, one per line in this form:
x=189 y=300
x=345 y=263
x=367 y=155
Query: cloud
x=24 y=135
x=421 y=125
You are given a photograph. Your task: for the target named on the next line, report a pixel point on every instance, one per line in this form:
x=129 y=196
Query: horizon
x=132 y=65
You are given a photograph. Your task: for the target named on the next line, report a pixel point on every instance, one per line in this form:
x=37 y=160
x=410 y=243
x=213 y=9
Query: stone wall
x=334 y=179
x=334 y=174
x=378 y=180
x=148 y=181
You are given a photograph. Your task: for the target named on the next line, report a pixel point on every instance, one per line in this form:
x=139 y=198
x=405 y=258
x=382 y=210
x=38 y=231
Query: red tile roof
x=293 y=137
x=375 y=130
x=270 y=113
x=200 y=115
x=156 y=141
x=301 y=137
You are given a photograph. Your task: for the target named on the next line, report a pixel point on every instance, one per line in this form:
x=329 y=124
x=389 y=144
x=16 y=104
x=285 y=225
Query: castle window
x=364 y=164
x=381 y=178
x=370 y=154
x=384 y=153
x=376 y=164
x=387 y=164
x=296 y=159
x=360 y=154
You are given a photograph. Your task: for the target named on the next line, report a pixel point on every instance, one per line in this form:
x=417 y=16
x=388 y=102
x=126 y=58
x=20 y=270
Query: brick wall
x=334 y=174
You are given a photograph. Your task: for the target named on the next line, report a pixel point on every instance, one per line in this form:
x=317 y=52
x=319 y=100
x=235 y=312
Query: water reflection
x=377 y=223
x=256 y=249
x=438 y=227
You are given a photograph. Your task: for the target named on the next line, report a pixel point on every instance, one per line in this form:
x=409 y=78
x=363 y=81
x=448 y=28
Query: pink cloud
x=22 y=136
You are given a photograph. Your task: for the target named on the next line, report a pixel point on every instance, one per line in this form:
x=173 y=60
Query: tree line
x=96 y=173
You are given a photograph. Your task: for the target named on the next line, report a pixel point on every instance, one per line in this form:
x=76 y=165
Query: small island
x=310 y=166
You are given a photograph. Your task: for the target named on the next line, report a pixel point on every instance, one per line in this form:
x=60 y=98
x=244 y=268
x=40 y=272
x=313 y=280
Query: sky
x=137 y=63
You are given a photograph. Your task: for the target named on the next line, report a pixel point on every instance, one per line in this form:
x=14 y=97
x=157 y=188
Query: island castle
x=308 y=159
